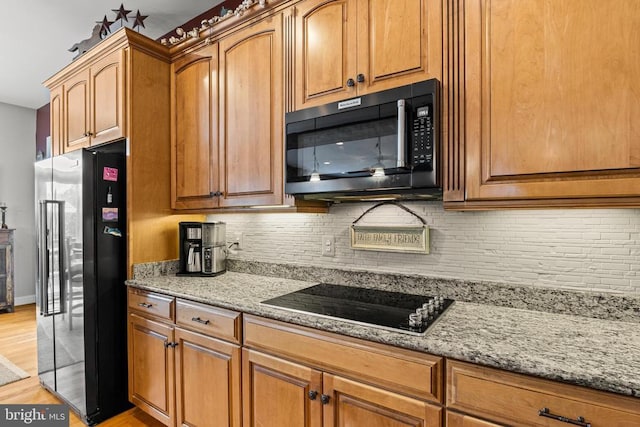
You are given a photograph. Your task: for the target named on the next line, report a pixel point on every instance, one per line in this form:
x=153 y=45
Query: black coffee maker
x=203 y=250
x=190 y=248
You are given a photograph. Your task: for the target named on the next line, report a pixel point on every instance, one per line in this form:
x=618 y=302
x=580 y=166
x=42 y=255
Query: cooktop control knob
x=415 y=320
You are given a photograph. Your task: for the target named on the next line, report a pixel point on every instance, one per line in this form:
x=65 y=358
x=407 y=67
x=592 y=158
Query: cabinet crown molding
x=124 y=37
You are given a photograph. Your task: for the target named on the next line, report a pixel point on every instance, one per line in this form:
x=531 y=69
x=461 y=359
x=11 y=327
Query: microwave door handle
x=402 y=134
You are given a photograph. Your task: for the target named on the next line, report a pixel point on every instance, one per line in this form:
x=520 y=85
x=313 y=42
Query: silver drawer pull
x=544 y=412
x=145 y=304
x=199 y=320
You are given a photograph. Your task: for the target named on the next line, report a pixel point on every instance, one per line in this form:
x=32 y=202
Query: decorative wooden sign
x=391 y=238
x=399 y=238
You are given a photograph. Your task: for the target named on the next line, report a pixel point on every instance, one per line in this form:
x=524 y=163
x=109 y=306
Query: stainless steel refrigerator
x=80 y=290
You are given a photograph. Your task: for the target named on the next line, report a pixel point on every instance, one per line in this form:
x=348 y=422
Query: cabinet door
x=151 y=367
x=76 y=112
x=552 y=100
x=251 y=113
x=399 y=42
x=107 y=98
x=460 y=420
x=56 y=120
x=356 y=404
x=325 y=51
x=207 y=381
x=195 y=129
x=276 y=393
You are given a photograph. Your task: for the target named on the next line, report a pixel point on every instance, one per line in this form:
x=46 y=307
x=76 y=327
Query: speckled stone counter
x=596 y=353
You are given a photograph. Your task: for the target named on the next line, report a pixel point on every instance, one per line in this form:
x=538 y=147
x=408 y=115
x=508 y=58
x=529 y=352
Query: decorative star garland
x=208 y=23
x=103 y=28
x=139 y=21
x=122 y=15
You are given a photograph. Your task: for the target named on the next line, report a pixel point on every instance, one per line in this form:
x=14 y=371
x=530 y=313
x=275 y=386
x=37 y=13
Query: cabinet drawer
x=396 y=369
x=213 y=321
x=517 y=399
x=151 y=303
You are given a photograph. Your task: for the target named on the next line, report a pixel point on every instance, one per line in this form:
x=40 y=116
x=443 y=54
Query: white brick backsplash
x=585 y=249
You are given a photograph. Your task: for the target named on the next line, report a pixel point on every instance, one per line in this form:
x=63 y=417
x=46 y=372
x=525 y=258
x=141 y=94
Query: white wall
x=597 y=249
x=17 y=155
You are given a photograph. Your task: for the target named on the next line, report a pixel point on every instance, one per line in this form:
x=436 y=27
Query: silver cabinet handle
x=402 y=134
x=145 y=304
x=199 y=320
x=544 y=412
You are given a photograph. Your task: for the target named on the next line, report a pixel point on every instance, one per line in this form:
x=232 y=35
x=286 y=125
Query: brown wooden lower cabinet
x=151 y=366
x=460 y=420
x=278 y=393
x=352 y=403
x=281 y=393
x=179 y=376
x=207 y=381
x=515 y=399
x=187 y=368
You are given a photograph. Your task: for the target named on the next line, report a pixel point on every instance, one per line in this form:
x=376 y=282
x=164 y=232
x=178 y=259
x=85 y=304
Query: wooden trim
x=227 y=27
x=453 y=95
x=591 y=202
x=289 y=51
x=404 y=371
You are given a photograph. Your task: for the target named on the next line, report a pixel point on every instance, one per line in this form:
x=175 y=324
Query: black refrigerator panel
x=106 y=272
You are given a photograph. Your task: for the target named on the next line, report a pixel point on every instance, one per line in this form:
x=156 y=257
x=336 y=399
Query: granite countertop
x=601 y=354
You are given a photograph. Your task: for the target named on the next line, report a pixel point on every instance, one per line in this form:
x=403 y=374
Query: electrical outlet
x=238 y=241
x=328 y=245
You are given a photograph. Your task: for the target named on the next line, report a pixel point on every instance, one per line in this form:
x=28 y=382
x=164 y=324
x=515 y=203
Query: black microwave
x=374 y=147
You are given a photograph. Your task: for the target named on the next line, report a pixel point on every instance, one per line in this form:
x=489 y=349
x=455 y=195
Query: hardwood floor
x=18 y=344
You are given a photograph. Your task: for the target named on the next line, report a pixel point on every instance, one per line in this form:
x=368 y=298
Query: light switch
x=328 y=245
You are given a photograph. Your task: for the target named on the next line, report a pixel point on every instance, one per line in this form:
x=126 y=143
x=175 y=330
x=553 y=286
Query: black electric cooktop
x=372 y=307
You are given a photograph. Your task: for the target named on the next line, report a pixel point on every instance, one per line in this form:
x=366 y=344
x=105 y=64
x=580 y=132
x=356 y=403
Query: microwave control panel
x=422 y=139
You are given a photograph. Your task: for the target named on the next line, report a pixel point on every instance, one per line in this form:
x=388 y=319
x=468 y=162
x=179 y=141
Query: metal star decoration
x=122 y=13
x=105 y=26
x=139 y=20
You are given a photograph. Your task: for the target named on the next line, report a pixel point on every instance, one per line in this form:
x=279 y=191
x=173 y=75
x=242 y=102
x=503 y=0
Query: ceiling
x=37 y=34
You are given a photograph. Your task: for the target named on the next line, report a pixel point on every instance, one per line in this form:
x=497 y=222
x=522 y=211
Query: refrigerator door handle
x=43 y=261
x=52 y=299
x=62 y=254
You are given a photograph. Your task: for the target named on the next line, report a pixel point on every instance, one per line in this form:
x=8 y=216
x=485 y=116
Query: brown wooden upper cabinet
x=348 y=48
x=550 y=104
x=195 y=131
x=251 y=115
x=228 y=111
x=93 y=104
